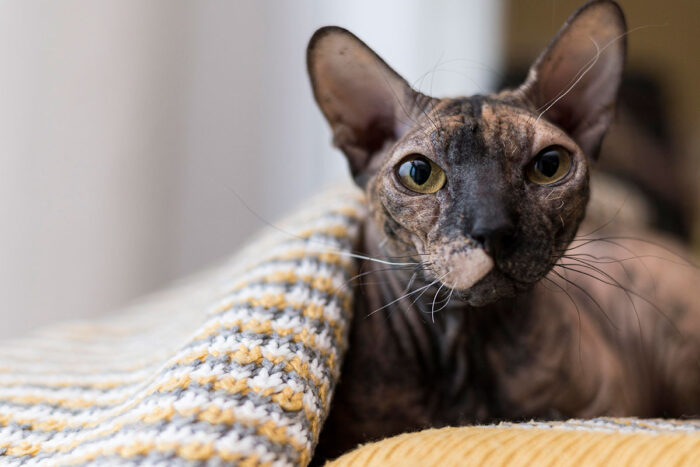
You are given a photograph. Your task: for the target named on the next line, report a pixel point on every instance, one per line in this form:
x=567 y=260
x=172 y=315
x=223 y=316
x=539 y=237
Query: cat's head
x=488 y=190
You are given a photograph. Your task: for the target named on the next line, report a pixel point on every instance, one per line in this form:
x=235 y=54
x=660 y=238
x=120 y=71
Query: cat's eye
x=549 y=165
x=420 y=174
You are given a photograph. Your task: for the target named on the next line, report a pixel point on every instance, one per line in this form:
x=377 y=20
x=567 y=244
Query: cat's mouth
x=473 y=274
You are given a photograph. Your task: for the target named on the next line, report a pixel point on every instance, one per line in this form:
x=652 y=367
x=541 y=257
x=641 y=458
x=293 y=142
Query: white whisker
x=591 y=63
x=432 y=308
x=402 y=297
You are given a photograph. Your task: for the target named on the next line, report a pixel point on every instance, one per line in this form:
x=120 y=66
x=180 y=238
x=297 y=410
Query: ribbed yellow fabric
x=512 y=446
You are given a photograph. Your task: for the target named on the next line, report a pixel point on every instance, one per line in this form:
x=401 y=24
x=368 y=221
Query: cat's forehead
x=499 y=123
x=481 y=112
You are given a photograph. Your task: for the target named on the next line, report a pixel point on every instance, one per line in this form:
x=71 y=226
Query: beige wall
x=125 y=124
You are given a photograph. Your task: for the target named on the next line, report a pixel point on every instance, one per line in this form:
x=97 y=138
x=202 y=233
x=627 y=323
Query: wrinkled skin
x=485 y=144
x=502 y=323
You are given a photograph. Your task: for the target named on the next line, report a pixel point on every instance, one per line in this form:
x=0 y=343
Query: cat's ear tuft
x=364 y=100
x=574 y=82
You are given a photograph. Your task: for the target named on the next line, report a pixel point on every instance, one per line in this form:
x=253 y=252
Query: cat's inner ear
x=366 y=102
x=574 y=82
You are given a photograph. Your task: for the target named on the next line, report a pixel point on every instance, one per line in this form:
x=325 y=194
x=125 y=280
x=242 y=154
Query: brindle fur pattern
x=540 y=335
x=486 y=143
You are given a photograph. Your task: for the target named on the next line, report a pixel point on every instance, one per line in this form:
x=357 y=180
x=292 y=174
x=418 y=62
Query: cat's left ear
x=366 y=103
x=574 y=82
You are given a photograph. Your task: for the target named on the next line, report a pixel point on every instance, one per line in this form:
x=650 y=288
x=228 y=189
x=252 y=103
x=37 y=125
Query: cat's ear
x=364 y=100
x=574 y=82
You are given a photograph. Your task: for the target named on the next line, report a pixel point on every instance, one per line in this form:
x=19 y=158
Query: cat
x=493 y=309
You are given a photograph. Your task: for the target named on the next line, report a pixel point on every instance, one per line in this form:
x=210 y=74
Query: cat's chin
x=471 y=272
x=493 y=287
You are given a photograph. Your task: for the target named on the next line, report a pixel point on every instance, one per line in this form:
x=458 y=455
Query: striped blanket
x=237 y=367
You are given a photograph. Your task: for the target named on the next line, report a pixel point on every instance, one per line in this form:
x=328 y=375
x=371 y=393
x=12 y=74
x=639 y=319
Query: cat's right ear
x=366 y=103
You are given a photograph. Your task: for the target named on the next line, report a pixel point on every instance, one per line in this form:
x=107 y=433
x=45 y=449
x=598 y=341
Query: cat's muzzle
x=460 y=267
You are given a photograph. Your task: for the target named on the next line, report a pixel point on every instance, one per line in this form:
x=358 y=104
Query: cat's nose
x=494 y=236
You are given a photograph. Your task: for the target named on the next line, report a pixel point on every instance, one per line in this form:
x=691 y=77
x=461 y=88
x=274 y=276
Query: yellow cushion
x=613 y=442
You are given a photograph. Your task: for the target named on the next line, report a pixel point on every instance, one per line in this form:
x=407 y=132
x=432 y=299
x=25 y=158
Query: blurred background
x=127 y=128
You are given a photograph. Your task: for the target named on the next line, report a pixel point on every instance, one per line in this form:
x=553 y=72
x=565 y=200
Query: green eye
x=549 y=165
x=420 y=174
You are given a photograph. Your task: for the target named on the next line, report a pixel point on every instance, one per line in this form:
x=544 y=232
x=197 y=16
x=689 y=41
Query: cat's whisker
x=612 y=239
x=610 y=259
x=578 y=312
x=579 y=257
x=331 y=248
x=447 y=302
x=423 y=288
x=407 y=288
x=608 y=222
x=432 y=308
x=372 y=271
x=410 y=281
x=585 y=292
x=618 y=285
x=369 y=258
x=623 y=247
x=629 y=292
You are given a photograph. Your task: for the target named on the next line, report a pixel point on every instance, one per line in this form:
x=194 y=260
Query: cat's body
x=487 y=311
x=539 y=356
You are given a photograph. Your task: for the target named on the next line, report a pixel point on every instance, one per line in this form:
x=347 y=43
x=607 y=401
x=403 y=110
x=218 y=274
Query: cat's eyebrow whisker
x=561 y=195
x=466 y=76
x=419 y=94
x=578 y=77
x=401 y=104
x=588 y=66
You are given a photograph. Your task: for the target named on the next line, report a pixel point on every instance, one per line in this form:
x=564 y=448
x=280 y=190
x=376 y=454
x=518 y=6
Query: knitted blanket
x=237 y=366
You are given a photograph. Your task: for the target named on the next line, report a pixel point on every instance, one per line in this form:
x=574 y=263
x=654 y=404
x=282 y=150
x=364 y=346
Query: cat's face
x=510 y=191
x=487 y=191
